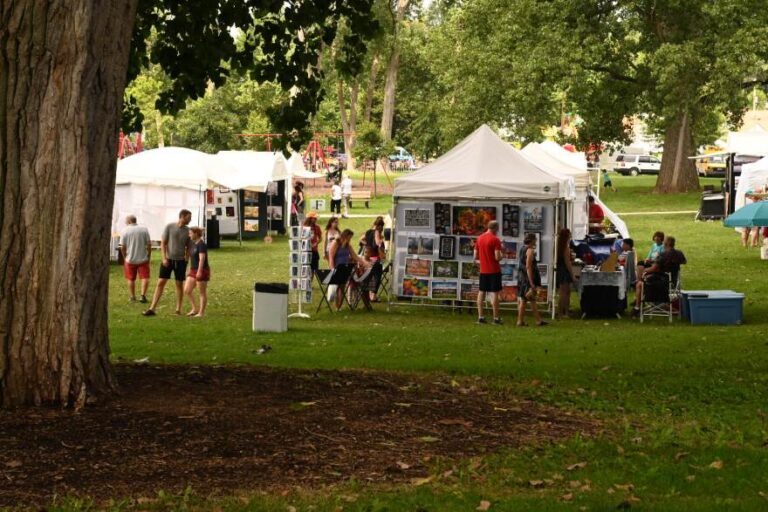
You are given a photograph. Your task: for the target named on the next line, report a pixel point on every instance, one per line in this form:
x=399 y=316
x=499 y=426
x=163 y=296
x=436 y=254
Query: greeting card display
x=416 y=267
x=421 y=245
x=413 y=287
x=466 y=246
x=510 y=220
x=445 y=289
x=509 y=250
x=447 y=247
x=472 y=220
x=533 y=219
x=470 y=270
x=445 y=269
x=443 y=218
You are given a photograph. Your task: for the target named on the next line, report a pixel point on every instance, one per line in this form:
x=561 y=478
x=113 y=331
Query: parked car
x=713 y=166
x=637 y=164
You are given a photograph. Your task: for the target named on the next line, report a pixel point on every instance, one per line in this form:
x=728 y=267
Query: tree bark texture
x=348 y=119
x=390 y=80
x=63 y=67
x=678 y=172
x=369 y=89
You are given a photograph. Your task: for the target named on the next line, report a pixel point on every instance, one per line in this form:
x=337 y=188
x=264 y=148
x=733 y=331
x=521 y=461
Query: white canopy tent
x=155 y=184
x=481 y=174
x=753 y=178
x=544 y=159
x=574 y=159
x=253 y=170
x=753 y=142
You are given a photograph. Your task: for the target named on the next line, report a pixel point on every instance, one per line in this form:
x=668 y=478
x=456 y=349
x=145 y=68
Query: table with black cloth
x=602 y=293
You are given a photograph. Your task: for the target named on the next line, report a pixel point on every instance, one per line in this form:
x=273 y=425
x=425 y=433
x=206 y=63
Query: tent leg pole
x=553 y=281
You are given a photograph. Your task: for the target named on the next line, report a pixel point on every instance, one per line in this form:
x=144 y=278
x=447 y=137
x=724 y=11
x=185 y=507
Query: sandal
x=522 y=324
x=541 y=324
x=192 y=313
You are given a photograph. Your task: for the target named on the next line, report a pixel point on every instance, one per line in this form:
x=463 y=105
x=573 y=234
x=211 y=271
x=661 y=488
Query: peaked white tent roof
x=170 y=166
x=544 y=159
x=574 y=159
x=297 y=169
x=752 y=142
x=483 y=166
x=252 y=170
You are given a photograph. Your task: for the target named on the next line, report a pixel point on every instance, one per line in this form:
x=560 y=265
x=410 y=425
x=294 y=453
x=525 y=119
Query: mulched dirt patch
x=220 y=430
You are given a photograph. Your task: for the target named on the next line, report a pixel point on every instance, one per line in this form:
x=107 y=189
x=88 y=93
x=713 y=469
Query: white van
x=637 y=164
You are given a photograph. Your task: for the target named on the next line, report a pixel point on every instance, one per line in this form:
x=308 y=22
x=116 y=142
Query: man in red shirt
x=596 y=216
x=488 y=254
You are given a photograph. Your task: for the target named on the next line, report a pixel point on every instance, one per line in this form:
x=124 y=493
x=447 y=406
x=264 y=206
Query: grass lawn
x=684 y=406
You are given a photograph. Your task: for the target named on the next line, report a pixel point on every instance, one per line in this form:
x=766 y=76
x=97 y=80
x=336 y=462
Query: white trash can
x=270 y=307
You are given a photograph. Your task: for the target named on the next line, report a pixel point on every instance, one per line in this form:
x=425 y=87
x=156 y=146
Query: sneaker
x=149 y=312
x=143 y=299
x=497 y=321
x=481 y=320
x=132 y=299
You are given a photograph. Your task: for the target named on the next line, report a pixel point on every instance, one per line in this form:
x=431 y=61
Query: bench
x=363 y=195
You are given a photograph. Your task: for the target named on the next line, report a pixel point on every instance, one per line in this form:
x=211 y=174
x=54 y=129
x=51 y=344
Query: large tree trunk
x=678 y=172
x=63 y=69
x=369 y=89
x=348 y=119
x=390 y=81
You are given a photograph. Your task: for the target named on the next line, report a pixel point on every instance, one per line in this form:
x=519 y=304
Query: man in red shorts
x=488 y=254
x=136 y=247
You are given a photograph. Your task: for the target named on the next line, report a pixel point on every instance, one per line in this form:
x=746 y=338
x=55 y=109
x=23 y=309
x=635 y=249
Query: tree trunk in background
x=159 y=128
x=678 y=172
x=348 y=120
x=370 y=88
x=390 y=83
x=63 y=69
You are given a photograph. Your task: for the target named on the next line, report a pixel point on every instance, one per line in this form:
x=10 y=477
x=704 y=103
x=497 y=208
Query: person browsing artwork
x=317 y=235
x=528 y=282
x=331 y=234
x=174 y=250
x=488 y=254
x=199 y=274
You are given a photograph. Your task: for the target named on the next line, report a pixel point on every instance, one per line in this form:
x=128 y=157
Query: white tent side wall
x=753 y=177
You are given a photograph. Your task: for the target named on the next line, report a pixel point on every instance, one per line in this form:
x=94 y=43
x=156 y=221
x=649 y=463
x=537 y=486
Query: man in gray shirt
x=174 y=249
x=136 y=246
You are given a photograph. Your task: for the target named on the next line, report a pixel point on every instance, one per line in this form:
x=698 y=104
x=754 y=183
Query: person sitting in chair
x=669 y=261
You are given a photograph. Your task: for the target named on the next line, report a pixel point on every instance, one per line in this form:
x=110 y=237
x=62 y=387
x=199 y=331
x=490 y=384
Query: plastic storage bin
x=714 y=307
x=270 y=307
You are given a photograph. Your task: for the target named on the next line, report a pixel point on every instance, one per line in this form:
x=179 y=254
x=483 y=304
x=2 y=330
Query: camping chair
x=661 y=296
x=384 y=282
x=368 y=283
x=339 y=277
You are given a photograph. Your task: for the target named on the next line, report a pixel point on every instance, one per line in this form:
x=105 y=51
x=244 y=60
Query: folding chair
x=661 y=296
x=366 y=284
x=386 y=274
x=340 y=277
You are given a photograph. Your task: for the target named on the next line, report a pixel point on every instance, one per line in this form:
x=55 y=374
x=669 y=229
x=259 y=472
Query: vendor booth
x=154 y=185
x=441 y=209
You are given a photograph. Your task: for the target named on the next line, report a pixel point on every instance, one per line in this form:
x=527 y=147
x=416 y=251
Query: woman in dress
x=297 y=204
x=331 y=233
x=374 y=253
x=528 y=282
x=564 y=275
x=199 y=273
x=341 y=253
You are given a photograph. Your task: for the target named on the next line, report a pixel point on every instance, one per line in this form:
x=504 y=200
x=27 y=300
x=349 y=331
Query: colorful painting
x=445 y=290
x=415 y=287
x=470 y=270
x=418 y=268
x=508 y=293
x=472 y=220
x=533 y=218
x=421 y=246
x=509 y=250
x=466 y=246
x=445 y=269
x=508 y=271
x=469 y=291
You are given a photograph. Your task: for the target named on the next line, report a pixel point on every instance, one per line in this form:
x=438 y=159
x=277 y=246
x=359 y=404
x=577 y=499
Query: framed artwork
x=470 y=270
x=533 y=218
x=421 y=245
x=272 y=188
x=417 y=218
x=413 y=287
x=443 y=218
x=275 y=212
x=445 y=290
x=472 y=220
x=417 y=268
x=509 y=250
x=447 y=247
x=466 y=246
x=508 y=293
x=445 y=269
x=510 y=220
x=508 y=271
x=219 y=212
x=469 y=291
x=250 y=225
x=538 y=242
x=219 y=200
x=543 y=272
x=230 y=210
x=251 y=211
